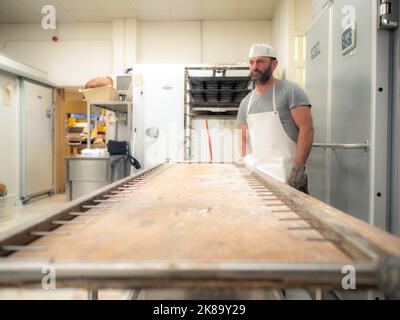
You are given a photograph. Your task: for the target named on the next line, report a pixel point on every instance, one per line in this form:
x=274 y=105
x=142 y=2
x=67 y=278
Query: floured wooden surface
x=190 y=212
x=384 y=240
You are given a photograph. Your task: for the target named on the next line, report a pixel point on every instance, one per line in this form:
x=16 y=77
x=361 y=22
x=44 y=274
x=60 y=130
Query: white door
x=36 y=139
x=160 y=107
x=8 y=131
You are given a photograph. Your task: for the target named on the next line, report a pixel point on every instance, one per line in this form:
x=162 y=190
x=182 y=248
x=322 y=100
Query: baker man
x=277 y=118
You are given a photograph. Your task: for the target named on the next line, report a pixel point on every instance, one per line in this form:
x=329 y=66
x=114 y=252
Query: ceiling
x=29 y=11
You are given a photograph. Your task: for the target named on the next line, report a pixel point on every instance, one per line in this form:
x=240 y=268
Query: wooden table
x=201 y=225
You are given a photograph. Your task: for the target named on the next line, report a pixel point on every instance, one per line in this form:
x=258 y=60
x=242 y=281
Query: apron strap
x=250 y=101
x=273 y=98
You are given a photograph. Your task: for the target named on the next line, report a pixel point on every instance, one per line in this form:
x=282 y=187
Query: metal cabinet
x=87 y=174
x=317 y=76
x=348 y=80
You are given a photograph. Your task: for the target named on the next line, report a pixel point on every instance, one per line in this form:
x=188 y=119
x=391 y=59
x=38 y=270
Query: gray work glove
x=298 y=178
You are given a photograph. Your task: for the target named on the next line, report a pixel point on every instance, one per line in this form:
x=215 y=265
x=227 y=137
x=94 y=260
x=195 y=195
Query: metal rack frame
x=187 y=108
x=117 y=107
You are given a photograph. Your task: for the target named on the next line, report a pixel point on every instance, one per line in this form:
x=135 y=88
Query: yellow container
x=71 y=122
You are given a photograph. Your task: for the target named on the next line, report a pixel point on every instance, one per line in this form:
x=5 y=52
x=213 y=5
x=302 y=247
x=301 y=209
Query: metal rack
x=116 y=106
x=217 y=96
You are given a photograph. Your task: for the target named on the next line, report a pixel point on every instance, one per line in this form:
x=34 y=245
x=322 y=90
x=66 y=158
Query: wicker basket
x=105 y=93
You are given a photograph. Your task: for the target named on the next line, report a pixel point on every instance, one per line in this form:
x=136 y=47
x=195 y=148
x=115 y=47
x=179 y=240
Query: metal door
x=355 y=130
x=317 y=76
x=37 y=108
x=395 y=140
x=351 y=111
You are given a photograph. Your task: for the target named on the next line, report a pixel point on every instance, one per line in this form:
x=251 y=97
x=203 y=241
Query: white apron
x=273 y=151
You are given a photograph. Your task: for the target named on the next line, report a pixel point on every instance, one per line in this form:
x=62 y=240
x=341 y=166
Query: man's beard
x=264 y=76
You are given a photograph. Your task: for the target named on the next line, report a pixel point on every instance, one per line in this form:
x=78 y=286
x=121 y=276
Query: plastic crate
x=105 y=93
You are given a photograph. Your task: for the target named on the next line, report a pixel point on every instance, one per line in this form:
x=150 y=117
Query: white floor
x=24 y=213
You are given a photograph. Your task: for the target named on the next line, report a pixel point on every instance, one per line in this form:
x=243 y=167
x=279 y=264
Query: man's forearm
x=244 y=147
x=304 y=145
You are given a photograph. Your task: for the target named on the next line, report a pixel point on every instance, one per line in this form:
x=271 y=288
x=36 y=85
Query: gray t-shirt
x=287 y=94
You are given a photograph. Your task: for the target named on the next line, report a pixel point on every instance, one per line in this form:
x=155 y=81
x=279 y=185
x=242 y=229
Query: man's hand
x=298 y=178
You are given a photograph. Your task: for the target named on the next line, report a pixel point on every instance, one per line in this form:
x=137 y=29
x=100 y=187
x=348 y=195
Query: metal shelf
x=213 y=116
x=212 y=97
x=213 y=105
x=116 y=106
x=215 y=109
x=219 y=83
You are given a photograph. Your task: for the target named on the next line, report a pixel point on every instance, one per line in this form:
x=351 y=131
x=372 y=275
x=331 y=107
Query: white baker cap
x=262 y=50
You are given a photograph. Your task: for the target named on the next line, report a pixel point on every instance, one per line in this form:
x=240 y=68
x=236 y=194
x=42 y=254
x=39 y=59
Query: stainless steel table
x=86 y=174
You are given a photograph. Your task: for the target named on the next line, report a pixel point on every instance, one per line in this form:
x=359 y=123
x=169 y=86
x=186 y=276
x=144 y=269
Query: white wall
x=169 y=42
x=304 y=15
x=87 y=50
x=210 y=42
x=292 y=18
x=84 y=50
x=228 y=42
x=281 y=35
x=124 y=40
x=317 y=7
